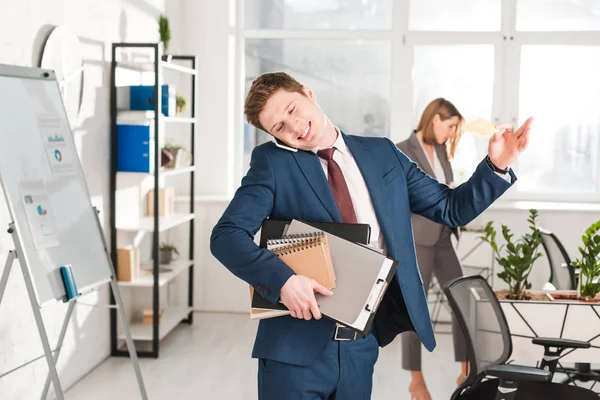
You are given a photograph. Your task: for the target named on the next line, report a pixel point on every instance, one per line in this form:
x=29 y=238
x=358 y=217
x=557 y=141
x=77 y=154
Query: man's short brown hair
x=262 y=88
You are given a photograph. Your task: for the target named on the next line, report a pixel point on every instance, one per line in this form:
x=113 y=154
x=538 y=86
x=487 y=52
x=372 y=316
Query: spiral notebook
x=306 y=254
x=273 y=230
x=363 y=275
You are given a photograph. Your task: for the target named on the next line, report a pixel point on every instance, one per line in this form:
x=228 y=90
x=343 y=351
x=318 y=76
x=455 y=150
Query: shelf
x=137 y=117
x=163 y=172
x=147 y=278
x=182 y=120
x=173 y=316
x=148 y=66
x=176 y=171
x=164 y=223
x=177 y=67
x=209 y=198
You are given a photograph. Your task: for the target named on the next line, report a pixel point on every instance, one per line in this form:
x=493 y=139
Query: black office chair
x=489 y=346
x=562 y=273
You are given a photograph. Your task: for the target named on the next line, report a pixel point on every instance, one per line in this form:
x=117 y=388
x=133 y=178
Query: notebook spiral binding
x=294 y=238
x=299 y=246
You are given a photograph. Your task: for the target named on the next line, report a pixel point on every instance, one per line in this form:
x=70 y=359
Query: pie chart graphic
x=57 y=155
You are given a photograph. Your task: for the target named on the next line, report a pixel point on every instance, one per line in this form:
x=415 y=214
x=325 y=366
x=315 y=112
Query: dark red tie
x=338 y=186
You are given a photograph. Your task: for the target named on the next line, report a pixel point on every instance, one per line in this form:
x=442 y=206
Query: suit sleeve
x=232 y=239
x=452 y=207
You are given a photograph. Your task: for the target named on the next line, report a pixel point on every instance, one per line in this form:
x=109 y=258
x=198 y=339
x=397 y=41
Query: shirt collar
x=339 y=143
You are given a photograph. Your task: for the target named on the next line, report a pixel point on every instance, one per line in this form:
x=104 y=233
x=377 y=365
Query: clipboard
x=363 y=275
x=274 y=229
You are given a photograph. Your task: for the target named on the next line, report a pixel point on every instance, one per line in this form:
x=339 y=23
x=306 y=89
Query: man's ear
x=309 y=93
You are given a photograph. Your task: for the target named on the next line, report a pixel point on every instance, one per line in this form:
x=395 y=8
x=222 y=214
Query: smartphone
x=282 y=145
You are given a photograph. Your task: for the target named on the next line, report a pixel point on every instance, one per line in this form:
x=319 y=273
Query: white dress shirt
x=359 y=193
x=435 y=164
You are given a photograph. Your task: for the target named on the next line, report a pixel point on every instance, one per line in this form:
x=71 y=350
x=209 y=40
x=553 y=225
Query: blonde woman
x=432 y=145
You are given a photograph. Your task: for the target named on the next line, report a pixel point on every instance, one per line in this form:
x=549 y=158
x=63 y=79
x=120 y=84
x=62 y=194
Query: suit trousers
x=441 y=260
x=344 y=372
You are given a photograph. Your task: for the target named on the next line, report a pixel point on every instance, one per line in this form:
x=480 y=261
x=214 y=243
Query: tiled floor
x=211 y=360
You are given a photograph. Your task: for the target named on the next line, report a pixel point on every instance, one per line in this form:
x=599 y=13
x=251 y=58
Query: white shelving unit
x=129 y=199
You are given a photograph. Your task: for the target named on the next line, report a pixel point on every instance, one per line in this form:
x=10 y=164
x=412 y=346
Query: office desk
x=560 y=319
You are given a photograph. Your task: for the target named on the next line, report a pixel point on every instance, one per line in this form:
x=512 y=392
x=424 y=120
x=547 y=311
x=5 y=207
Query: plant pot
x=166 y=256
x=529 y=295
x=550 y=296
x=173 y=162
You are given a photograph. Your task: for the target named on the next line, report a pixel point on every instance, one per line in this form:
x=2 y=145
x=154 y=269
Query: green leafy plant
x=166 y=246
x=589 y=263
x=172 y=148
x=164 y=31
x=520 y=255
x=166 y=252
x=180 y=103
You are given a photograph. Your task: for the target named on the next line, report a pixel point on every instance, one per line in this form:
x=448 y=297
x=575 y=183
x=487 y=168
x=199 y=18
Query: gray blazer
x=427 y=232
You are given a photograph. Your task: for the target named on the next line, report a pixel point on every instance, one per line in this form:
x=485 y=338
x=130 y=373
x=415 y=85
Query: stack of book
x=336 y=256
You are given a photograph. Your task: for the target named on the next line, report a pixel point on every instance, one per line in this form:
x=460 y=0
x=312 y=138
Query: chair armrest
x=563 y=343
x=518 y=373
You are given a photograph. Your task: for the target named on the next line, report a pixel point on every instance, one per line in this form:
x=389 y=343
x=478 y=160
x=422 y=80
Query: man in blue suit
x=315 y=172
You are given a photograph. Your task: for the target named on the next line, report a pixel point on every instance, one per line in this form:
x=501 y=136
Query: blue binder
x=69 y=281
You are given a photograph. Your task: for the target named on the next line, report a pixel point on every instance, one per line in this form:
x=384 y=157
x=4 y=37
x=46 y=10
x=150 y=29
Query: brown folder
x=309 y=257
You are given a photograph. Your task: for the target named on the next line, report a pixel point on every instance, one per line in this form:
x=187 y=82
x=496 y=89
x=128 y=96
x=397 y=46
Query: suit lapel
x=420 y=155
x=313 y=172
x=373 y=176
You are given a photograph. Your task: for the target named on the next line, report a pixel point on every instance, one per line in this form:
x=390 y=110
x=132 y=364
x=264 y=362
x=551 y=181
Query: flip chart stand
x=50 y=359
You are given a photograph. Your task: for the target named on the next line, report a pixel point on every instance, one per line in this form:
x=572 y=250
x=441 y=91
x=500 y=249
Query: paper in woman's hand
x=480 y=128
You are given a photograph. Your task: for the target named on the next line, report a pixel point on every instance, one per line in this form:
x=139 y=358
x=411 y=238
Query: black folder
x=273 y=229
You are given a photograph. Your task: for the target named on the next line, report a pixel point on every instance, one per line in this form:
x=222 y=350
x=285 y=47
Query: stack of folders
x=360 y=273
x=306 y=254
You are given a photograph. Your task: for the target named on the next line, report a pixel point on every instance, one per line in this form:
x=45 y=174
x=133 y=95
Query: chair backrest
x=562 y=275
x=482 y=321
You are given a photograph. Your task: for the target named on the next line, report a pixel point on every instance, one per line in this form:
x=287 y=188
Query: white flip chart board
x=44 y=185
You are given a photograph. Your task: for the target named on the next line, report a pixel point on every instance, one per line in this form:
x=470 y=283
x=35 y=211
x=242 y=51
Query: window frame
x=507 y=44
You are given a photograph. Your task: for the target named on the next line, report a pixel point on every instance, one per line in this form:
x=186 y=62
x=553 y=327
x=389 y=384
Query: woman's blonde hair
x=445 y=110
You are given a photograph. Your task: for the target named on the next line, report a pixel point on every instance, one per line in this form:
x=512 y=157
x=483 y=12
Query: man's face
x=295 y=119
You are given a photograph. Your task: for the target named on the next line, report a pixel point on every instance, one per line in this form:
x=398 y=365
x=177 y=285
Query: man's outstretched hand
x=506 y=145
x=298 y=295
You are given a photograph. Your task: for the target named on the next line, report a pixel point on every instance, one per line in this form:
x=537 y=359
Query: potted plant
x=180 y=103
x=164 y=31
x=168 y=253
x=172 y=149
x=520 y=256
x=589 y=263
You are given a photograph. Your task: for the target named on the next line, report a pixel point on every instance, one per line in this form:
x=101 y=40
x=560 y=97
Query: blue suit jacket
x=285 y=185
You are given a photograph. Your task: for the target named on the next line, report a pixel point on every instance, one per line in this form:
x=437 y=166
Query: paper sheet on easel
x=480 y=127
x=39 y=214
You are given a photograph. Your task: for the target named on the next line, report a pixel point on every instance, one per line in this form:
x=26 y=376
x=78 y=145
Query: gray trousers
x=442 y=261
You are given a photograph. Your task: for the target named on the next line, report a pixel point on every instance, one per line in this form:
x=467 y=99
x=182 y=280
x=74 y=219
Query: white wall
x=24 y=25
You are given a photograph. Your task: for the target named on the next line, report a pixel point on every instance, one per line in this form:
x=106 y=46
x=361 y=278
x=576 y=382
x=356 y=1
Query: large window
x=318 y=14
x=565 y=98
x=375 y=64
